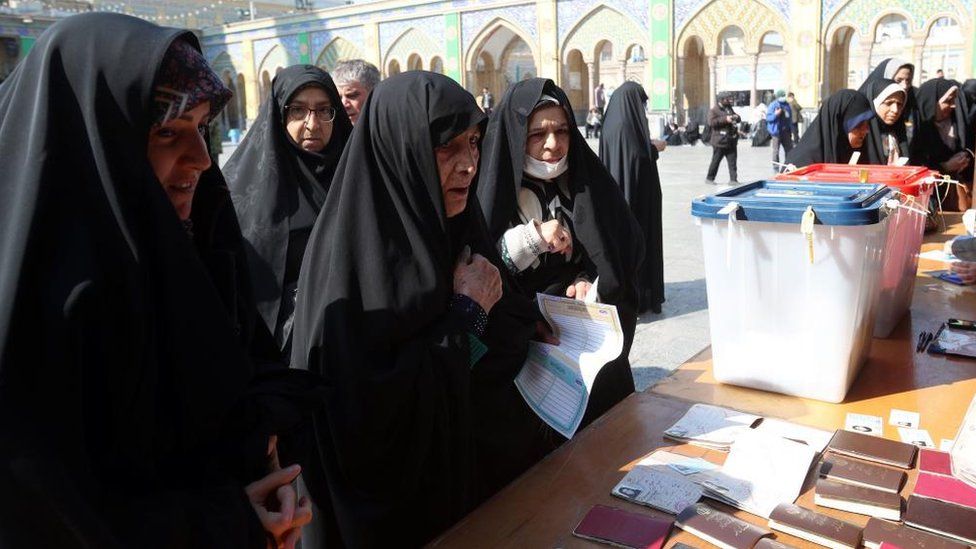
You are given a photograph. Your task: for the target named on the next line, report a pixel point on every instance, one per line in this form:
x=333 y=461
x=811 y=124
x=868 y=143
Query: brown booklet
x=881 y=531
x=857 y=499
x=812 y=526
x=718 y=528
x=861 y=473
x=768 y=543
x=881 y=450
x=954 y=521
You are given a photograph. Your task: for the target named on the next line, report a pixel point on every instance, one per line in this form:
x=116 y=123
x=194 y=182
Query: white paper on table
x=679 y=464
x=654 y=486
x=918 y=437
x=556 y=381
x=904 y=418
x=711 y=425
x=761 y=472
x=964 y=448
x=938 y=255
x=863 y=423
x=812 y=437
x=945 y=444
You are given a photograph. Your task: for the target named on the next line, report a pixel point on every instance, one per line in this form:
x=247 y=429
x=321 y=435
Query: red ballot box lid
x=907 y=179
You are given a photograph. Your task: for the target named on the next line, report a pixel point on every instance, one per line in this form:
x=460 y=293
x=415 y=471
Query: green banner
x=303 y=54
x=660 y=55
x=452 y=46
x=26 y=43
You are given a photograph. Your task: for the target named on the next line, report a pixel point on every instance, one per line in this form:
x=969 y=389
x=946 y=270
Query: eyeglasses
x=298 y=112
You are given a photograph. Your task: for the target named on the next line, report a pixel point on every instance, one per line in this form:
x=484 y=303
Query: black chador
x=826 y=139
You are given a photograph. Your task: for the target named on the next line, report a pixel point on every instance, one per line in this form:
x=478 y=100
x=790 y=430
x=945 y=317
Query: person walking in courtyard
x=724 y=139
x=795 y=120
x=779 y=125
x=600 y=97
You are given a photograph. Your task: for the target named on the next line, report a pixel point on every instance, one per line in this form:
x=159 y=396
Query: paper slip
x=555 y=381
x=902 y=418
x=678 y=464
x=964 y=450
x=653 y=487
x=946 y=444
x=861 y=423
x=761 y=472
x=814 y=438
x=938 y=255
x=918 y=437
x=710 y=426
x=690 y=466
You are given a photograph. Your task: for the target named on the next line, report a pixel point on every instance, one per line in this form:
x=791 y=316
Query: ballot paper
x=710 y=426
x=964 y=448
x=762 y=471
x=556 y=381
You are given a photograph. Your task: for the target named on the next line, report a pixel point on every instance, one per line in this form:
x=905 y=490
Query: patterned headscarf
x=184 y=81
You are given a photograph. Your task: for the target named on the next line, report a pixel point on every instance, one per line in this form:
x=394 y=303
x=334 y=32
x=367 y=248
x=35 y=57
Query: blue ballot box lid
x=786 y=202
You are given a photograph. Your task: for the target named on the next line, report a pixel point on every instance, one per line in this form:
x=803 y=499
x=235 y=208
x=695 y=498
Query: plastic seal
x=806 y=227
x=730 y=210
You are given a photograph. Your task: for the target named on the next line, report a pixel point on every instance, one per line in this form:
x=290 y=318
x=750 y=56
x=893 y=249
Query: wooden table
x=541 y=508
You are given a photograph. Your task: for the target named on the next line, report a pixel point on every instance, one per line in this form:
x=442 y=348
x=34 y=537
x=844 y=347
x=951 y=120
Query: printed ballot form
x=556 y=380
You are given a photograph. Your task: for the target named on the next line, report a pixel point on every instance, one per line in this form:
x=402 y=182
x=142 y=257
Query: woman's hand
x=274 y=501
x=556 y=237
x=957 y=163
x=659 y=145
x=966 y=271
x=477 y=278
x=579 y=289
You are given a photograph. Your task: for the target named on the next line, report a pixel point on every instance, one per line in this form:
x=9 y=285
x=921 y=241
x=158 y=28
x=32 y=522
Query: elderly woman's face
x=457 y=164
x=178 y=155
x=856 y=136
x=312 y=131
x=889 y=111
x=947 y=104
x=548 y=135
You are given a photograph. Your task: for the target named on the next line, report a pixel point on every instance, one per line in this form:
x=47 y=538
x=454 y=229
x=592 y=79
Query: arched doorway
x=944 y=49
x=393 y=68
x=693 y=81
x=607 y=73
x=576 y=83
x=636 y=61
x=839 y=69
x=892 y=38
x=770 y=68
x=338 y=50
x=415 y=63
x=9 y=55
x=499 y=58
x=436 y=65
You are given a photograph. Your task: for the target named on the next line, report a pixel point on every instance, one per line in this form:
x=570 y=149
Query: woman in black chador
x=840 y=128
x=129 y=411
x=940 y=140
x=630 y=157
x=279 y=177
x=561 y=223
x=887 y=139
x=397 y=300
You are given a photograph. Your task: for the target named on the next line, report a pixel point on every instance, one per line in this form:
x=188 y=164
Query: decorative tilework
x=275 y=50
x=861 y=13
x=603 y=24
x=433 y=26
x=317 y=41
x=413 y=41
x=570 y=12
x=753 y=17
x=521 y=16
x=685 y=9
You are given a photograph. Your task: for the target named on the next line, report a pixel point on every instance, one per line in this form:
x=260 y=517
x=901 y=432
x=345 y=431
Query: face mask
x=545 y=170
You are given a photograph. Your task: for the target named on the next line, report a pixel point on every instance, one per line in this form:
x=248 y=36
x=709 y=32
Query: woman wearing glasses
x=279 y=177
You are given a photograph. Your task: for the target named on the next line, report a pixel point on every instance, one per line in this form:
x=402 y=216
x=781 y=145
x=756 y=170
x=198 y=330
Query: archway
x=734 y=66
x=436 y=65
x=576 y=83
x=839 y=69
x=499 y=58
x=339 y=49
x=770 y=68
x=944 y=49
x=892 y=38
x=393 y=68
x=415 y=63
x=9 y=55
x=606 y=72
x=636 y=62
x=693 y=81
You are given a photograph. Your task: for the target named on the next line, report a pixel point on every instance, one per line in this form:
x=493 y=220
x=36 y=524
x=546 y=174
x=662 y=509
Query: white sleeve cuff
x=524 y=245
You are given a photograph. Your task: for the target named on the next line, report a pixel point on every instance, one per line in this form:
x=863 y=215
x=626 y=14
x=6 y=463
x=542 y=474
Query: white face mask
x=545 y=171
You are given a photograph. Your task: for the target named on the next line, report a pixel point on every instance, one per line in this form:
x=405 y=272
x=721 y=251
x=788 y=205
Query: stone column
x=594 y=77
x=755 y=70
x=252 y=83
x=681 y=99
x=623 y=71
x=712 y=80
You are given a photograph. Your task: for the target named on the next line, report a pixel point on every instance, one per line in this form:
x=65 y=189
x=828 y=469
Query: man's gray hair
x=356 y=70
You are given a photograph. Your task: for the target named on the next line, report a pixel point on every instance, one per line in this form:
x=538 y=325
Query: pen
x=921 y=340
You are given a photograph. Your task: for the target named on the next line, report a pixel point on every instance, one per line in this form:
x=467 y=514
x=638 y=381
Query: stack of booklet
x=711 y=426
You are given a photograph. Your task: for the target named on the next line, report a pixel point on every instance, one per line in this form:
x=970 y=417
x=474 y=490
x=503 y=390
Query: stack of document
x=711 y=426
x=761 y=472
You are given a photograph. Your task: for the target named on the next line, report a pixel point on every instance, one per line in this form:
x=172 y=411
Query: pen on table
x=921 y=340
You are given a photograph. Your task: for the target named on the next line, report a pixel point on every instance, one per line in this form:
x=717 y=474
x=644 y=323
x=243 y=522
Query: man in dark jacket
x=724 y=124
